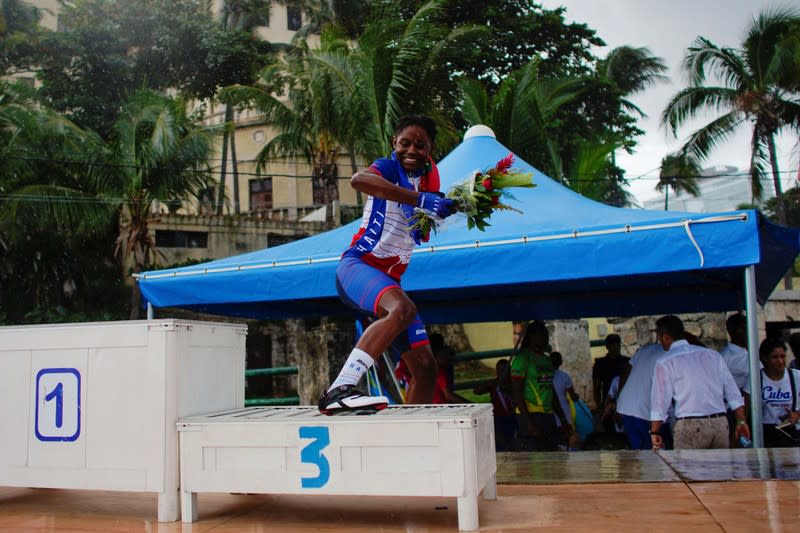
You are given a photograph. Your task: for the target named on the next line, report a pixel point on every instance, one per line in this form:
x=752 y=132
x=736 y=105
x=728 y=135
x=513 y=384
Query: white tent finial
x=479 y=130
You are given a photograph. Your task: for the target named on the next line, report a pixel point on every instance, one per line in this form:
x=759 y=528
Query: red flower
x=495 y=200
x=487 y=183
x=504 y=164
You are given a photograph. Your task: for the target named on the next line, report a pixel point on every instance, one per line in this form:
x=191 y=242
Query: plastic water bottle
x=744 y=442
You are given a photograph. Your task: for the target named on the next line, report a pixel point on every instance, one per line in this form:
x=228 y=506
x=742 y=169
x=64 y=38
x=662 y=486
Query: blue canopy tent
x=564 y=256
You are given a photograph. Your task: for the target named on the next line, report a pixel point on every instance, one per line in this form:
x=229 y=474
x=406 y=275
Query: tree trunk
x=779 y=200
x=326 y=174
x=666 y=198
x=136 y=294
x=224 y=167
x=235 y=168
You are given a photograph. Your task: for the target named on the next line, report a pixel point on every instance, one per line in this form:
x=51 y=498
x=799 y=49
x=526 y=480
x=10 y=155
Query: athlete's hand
x=439 y=205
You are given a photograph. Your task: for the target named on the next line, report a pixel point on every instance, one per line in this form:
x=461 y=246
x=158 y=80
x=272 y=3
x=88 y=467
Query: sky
x=668 y=28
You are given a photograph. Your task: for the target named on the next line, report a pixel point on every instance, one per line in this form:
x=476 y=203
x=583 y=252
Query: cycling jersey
x=384 y=239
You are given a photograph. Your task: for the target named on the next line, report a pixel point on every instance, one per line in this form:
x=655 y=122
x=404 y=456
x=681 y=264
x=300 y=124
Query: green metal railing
x=292 y=370
x=276 y=371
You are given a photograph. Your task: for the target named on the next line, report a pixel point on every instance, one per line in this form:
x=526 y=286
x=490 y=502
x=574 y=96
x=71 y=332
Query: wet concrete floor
x=707 y=490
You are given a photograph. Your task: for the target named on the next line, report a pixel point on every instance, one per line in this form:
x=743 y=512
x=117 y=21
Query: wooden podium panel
x=408 y=450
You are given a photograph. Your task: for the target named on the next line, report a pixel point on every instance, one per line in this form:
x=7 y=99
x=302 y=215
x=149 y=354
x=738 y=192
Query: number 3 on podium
x=312 y=454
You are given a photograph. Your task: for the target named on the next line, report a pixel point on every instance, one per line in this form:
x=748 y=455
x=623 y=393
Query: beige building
x=277 y=203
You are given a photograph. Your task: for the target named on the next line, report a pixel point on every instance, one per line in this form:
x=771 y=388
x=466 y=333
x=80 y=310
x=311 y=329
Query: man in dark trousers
x=604 y=371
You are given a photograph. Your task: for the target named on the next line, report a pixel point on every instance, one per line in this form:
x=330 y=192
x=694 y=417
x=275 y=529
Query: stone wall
x=319 y=347
x=571 y=339
x=635 y=332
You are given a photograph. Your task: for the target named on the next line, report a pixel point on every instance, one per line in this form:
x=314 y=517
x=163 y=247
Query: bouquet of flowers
x=479 y=195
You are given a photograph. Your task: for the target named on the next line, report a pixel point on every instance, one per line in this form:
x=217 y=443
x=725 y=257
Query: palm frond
x=704 y=140
x=474 y=102
x=691 y=101
x=771 y=44
x=722 y=62
x=634 y=69
x=679 y=172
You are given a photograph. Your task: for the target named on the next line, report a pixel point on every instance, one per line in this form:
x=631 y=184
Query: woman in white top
x=780 y=396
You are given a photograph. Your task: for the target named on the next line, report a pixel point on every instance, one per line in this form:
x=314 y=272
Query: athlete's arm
x=368 y=182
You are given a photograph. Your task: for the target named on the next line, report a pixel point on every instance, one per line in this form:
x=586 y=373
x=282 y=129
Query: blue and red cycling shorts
x=361 y=287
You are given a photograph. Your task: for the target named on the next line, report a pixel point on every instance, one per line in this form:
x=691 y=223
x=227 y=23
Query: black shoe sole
x=371 y=410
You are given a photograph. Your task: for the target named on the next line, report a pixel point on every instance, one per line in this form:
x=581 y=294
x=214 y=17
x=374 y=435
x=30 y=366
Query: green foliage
x=791 y=198
x=758 y=88
x=63 y=193
x=114 y=48
x=18 y=34
x=679 y=172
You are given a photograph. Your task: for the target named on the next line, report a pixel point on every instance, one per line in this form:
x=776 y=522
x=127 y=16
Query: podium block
x=409 y=450
x=94 y=405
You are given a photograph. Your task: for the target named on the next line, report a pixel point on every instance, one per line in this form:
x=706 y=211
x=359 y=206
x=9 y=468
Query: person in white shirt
x=634 y=399
x=698 y=382
x=735 y=353
x=780 y=396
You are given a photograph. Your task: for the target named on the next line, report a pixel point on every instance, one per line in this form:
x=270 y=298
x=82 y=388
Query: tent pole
x=752 y=348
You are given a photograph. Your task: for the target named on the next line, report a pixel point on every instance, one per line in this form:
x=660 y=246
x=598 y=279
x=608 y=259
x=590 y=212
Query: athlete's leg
x=396 y=312
x=373 y=293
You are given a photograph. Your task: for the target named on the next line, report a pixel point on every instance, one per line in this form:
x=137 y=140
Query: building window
x=261 y=194
x=181 y=239
x=294 y=18
x=258 y=136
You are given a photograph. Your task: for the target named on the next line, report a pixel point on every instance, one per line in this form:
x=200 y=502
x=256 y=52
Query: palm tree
x=157 y=154
x=343 y=97
x=310 y=121
x=678 y=172
x=48 y=206
x=591 y=174
x=521 y=111
x=630 y=71
x=759 y=87
x=237 y=15
x=61 y=180
x=396 y=69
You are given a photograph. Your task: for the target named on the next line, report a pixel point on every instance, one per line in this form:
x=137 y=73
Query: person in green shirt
x=533 y=393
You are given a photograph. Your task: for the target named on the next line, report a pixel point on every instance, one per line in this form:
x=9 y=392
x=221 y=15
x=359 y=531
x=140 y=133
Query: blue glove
x=436 y=203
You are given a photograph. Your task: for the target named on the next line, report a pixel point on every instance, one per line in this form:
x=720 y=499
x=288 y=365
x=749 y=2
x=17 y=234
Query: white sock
x=354 y=368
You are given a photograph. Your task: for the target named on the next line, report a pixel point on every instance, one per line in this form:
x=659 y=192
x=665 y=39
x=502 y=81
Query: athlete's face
x=776 y=360
x=413 y=147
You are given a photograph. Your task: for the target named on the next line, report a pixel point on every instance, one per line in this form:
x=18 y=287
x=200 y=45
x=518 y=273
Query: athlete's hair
x=556 y=359
x=417 y=120
x=769 y=344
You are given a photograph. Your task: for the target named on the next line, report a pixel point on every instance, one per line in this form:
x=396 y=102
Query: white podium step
x=408 y=450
